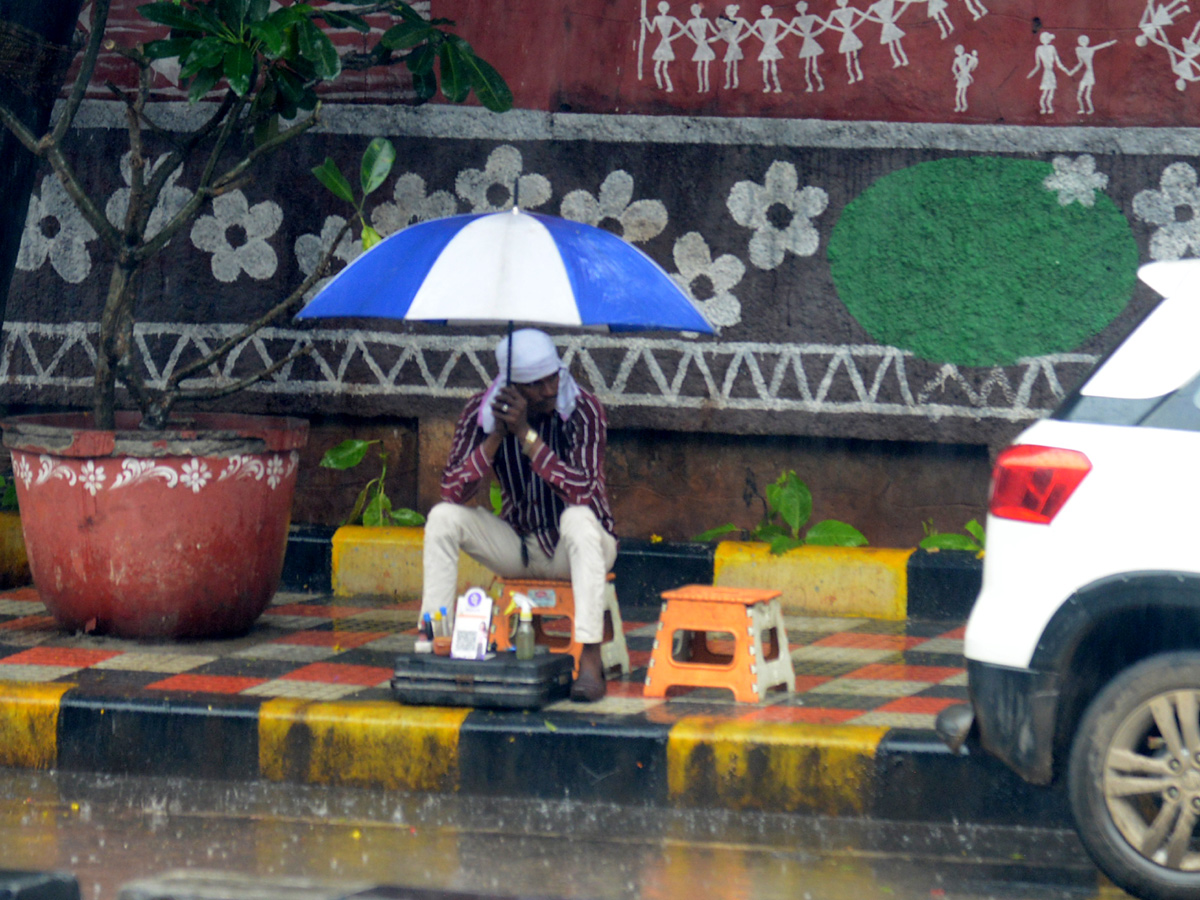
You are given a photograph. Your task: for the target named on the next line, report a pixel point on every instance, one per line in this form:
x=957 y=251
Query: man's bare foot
x=589 y=686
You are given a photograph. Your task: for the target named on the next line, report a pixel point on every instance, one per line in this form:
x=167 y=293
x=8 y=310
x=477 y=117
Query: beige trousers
x=584 y=555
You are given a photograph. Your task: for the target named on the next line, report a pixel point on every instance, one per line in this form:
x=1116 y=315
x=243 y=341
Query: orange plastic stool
x=751 y=615
x=556 y=599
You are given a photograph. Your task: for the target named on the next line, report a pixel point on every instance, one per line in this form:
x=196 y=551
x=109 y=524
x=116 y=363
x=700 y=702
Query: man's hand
x=511 y=410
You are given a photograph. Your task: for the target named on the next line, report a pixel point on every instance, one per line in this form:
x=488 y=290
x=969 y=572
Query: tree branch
x=269 y=146
x=86 y=70
x=289 y=304
x=75 y=190
x=216 y=393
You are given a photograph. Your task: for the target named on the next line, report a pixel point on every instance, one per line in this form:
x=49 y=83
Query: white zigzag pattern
x=746 y=376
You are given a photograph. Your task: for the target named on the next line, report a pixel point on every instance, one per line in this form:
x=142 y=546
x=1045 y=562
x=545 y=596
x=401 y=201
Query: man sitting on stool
x=543 y=437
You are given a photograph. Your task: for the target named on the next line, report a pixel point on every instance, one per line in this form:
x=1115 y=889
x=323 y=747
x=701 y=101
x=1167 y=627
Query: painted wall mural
x=909 y=264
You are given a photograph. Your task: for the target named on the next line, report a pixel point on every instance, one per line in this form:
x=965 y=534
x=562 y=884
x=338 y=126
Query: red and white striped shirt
x=568 y=469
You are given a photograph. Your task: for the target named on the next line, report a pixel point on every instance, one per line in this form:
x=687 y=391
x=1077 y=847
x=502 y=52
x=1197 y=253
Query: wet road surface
x=109 y=831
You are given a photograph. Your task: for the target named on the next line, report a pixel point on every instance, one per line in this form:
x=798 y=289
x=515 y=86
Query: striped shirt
x=568 y=469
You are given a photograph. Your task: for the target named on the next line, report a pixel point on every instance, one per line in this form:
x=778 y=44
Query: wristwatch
x=529 y=438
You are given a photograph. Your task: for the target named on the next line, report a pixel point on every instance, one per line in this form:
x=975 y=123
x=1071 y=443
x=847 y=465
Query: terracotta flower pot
x=178 y=533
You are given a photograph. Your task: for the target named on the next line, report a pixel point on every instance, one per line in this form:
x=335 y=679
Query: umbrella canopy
x=509 y=267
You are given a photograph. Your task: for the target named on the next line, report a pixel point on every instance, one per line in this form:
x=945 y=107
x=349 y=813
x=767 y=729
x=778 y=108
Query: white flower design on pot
x=412 y=204
x=639 y=221
x=500 y=184
x=195 y=474
x=252 y=255
x=707 y=281
x=1076 y=181
x=274 y=472
x=91 y=476
x=23 y=470
x=780 y=213
x=55 y=229
x=1175 y=209
x=170 y=201
x=311 y=247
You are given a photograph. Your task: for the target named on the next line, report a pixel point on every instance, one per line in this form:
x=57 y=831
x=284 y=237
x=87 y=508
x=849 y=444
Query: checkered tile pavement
x=315 y=647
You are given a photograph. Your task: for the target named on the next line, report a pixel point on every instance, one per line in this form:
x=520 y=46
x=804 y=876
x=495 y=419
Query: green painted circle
x=974 y=261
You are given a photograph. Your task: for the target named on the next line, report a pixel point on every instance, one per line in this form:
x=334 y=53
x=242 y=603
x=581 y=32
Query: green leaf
x=715 y=532
x=491 y=89
x=407 y=518
x=258 y=10
x=233 y=13
x=171 y=14
x=370 y=237
x=455 y=85
x=767 y=531
x=168 y=49
x=8 y=500
x=832 y=533
x=316 y=47
x=270 y=34
x=202 y=84
x=346 y=455
x=378 y=511
x=377 y=162
x=239 y=68
x=425 y=85
x=791 y=498
x=331 y=176
x=496 y=498
x=976 y=531
x=345 y=20
x=407 y=35
x=948 y=542
x=206 y=53
x=784 y=543
x=420 y=61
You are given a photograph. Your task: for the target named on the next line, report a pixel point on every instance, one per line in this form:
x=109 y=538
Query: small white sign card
x=472 y=625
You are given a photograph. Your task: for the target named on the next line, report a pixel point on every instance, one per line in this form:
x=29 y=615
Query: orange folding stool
x=751 y=615
x=556 y=600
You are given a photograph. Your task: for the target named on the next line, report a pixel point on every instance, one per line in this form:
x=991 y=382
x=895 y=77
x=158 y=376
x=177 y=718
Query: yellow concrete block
x=362 y=744
x=14 y=565
x=388 y=561
x=774 y=766
x=822 y=581
x=29 y=724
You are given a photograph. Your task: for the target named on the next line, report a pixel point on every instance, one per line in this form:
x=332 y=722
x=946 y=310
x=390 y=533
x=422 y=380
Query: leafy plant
x=376 y=165
x=974 y=539
x=372 y=508
x=788 y=505
x=265 y=61
x=8 y=494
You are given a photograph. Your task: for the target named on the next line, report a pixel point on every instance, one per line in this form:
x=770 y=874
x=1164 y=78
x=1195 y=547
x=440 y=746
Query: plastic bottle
x=524 y=638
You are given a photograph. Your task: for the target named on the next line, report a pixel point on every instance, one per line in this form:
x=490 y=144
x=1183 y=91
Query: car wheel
x=1134 y=778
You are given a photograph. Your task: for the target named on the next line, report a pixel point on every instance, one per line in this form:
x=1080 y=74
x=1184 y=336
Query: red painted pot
x=147 y=534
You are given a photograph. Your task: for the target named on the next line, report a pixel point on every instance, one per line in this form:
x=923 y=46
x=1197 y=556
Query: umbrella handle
x=508 y=357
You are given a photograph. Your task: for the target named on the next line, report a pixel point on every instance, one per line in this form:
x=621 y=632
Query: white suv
x=1083 y=648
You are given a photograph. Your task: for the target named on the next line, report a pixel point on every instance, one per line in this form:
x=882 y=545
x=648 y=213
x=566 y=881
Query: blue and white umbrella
x=509 y=267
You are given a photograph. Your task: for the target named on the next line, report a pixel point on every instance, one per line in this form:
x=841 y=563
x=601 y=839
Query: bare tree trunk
x=115 y=321
x=34 y=37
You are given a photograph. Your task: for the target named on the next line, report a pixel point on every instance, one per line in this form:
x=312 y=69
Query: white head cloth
x=534 y=357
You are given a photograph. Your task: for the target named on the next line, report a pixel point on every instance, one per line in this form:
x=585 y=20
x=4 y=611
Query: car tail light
x=1032 y=483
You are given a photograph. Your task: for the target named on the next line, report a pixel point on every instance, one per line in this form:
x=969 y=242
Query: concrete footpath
x=305 y=698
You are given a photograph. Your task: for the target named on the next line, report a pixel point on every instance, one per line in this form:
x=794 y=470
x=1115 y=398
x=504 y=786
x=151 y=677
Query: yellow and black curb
x=880 y=583
x=694 y=762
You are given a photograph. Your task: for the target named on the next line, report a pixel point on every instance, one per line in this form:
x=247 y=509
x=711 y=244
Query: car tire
x=1134 y=778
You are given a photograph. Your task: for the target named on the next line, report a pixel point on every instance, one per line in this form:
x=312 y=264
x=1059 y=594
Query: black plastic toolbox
x=502 y=681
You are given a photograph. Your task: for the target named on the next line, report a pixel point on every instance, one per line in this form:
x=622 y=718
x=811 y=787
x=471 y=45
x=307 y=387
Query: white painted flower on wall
x=780 y=212
x=56 y=230
x=412 y=204
x=310 y=248
x=1076 y=181
x=195 y=474
x=91 y=476
x=249 y=227
x=1177 y=195
x=639 y=220
x=170 y=201
x=707 y=281
x=499 y=184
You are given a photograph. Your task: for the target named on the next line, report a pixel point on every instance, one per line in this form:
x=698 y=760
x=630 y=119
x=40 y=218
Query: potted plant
x=149 y=523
